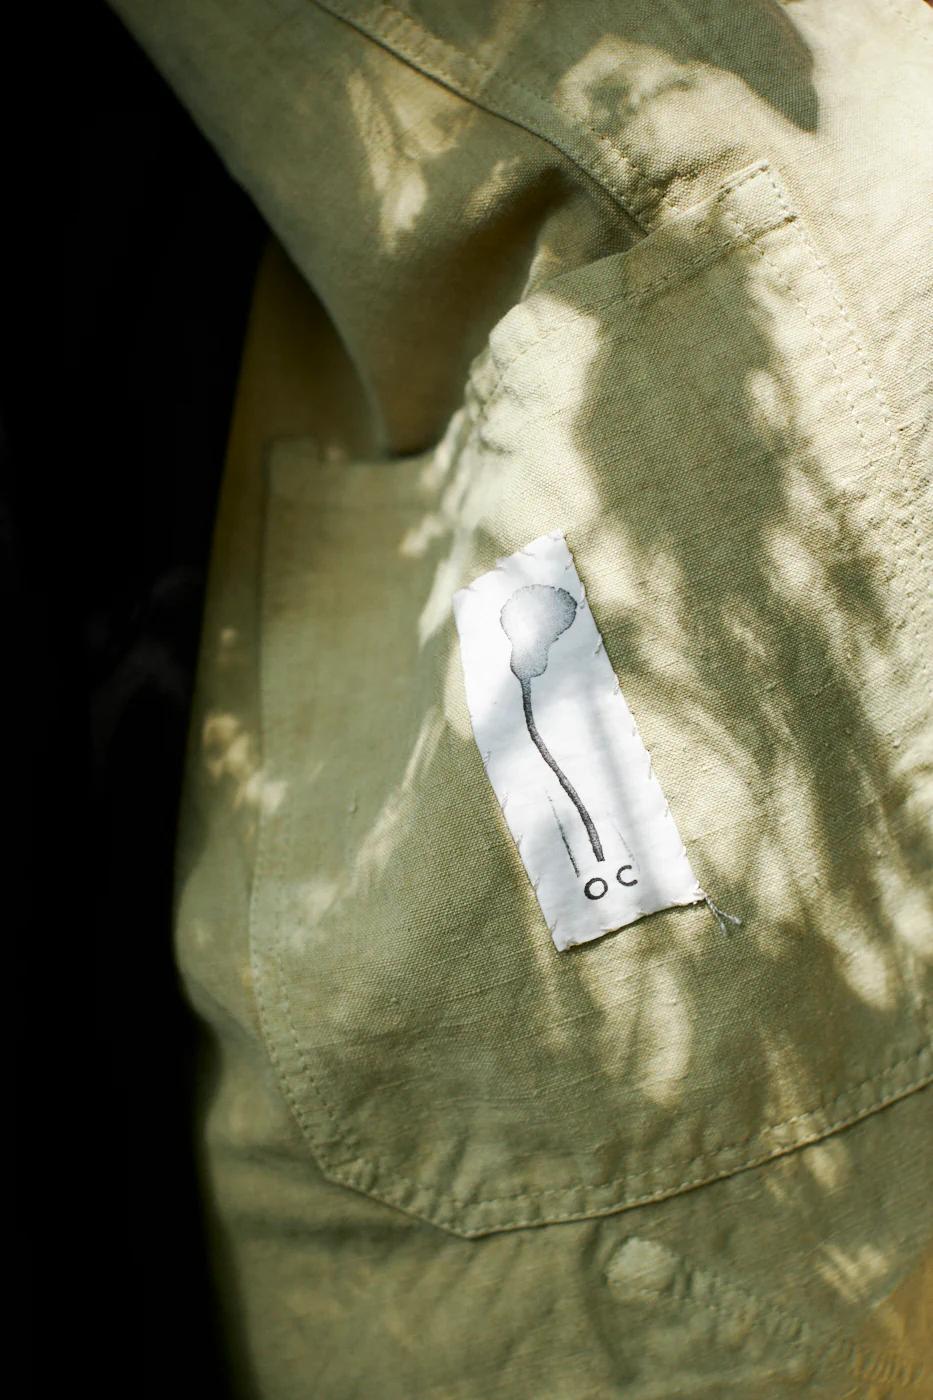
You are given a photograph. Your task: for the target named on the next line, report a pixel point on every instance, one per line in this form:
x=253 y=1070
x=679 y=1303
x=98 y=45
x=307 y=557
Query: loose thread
x=722 y=918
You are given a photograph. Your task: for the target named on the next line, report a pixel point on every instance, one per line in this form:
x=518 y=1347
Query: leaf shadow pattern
x=724 y=506
x=721 y=484
x=729 y=514
x=452 y=227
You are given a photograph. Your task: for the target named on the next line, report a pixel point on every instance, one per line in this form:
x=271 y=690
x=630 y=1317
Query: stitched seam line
x=270 y=874
x=486 y=398
x=722 y=1298
x=378 y=34
x=662 y=1192
x=823 y=1348
x=268 y=870
x=885 y=416
x=888 y=421
x=918 y=28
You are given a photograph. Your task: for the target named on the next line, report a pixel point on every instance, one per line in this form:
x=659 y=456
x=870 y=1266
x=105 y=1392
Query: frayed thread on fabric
x=726 y=922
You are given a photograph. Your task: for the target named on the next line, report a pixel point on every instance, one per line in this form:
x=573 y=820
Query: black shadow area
x=116 y=404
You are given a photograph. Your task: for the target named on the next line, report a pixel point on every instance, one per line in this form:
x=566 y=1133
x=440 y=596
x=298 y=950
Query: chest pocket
x=697 y=417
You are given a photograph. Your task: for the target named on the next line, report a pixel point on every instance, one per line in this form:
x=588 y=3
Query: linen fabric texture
x=656 y=276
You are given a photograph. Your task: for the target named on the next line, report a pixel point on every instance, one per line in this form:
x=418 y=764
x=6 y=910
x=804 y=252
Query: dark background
x=116 y=401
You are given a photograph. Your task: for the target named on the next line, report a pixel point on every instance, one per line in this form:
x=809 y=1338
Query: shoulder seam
x=604 y=163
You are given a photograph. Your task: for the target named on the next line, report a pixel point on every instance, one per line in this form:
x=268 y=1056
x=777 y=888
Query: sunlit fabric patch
x=562 y=750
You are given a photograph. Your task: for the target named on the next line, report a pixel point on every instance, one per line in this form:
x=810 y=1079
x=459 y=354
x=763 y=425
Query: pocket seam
x=840 y=379
x=626 y=1202
x=485 y=397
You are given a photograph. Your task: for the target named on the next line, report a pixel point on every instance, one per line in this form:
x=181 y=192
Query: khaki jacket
x=658 y=276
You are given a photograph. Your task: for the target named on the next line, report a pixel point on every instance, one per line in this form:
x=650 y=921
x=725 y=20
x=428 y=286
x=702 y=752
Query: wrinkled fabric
x=658 y=277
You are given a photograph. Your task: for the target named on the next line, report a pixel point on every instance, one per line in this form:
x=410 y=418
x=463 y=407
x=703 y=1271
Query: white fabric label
x=562 y=751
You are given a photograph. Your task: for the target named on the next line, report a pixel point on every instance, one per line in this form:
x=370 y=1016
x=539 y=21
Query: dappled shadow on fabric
x=457 y=214
x=684 y=411
x=699 y=450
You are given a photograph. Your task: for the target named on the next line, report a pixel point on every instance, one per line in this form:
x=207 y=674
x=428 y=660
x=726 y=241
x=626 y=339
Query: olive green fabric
x=658 y=276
